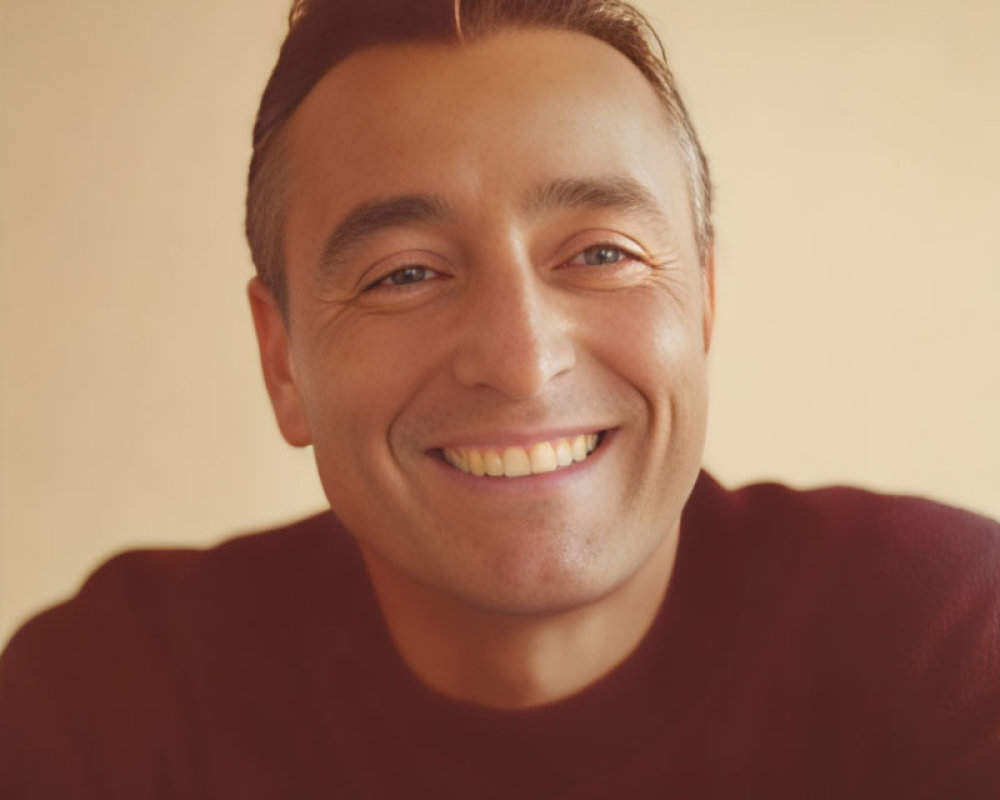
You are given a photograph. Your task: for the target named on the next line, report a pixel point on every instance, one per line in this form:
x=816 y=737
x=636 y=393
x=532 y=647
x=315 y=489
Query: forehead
x=476 y=124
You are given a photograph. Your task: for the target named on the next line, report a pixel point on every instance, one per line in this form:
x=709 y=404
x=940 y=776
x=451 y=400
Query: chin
x=553 y=585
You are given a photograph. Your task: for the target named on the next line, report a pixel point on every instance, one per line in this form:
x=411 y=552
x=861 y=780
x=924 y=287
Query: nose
x=516 y=333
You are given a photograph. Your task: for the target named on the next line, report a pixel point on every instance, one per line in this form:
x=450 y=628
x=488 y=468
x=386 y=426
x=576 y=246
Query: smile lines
x=517 y=462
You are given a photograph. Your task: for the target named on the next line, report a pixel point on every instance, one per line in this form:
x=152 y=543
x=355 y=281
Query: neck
x=510 y=661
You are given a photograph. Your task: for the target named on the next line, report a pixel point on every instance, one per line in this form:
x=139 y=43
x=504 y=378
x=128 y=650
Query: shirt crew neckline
x=651 y=692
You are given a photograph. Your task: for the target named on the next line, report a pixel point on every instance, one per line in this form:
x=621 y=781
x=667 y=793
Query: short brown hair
x=324 y=32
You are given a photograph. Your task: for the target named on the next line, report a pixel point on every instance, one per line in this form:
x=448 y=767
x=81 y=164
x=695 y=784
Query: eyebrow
x=374 y=216
x=606 y=192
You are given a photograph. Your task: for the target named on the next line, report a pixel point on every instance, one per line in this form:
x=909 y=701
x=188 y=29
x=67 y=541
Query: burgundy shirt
x=823 y=644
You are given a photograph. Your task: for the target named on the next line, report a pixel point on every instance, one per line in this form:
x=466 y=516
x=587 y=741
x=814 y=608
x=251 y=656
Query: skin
x=506 y=310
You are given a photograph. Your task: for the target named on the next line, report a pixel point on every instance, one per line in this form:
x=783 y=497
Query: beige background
x=855 y=150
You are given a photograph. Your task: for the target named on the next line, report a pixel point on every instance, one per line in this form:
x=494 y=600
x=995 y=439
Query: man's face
x=491 y=266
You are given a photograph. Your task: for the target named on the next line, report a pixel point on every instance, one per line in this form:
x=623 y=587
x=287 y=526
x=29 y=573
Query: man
x=485 y=295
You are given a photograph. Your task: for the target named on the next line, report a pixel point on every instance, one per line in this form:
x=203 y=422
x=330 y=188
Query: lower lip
x=544 y=480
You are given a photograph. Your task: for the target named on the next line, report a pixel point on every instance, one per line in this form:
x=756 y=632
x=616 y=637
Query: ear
x=276 y=362
x=708 y=289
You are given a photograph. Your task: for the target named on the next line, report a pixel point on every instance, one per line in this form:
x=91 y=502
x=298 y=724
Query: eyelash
x=386 y=283
x=624 y=254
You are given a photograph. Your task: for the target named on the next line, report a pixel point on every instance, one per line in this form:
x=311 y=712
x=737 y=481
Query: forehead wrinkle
x=374 y=216
x=610 y=192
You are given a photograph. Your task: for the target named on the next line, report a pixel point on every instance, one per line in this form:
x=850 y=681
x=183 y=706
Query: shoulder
x=892 y=571
x=835 y=507
x=155 y=643
x=156 y=589
x=144 y=616
x=875 y=618
x=886 y=567
x=874 y=585
x=855 y=532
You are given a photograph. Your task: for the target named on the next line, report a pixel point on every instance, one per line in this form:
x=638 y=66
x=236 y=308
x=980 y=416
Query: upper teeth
x=516 y=462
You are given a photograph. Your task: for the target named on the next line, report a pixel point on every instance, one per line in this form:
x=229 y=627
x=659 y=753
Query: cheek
x=360 y=379
x=652 y=340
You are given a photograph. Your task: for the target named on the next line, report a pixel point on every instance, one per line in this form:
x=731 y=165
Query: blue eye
x=406 y=276
x=602 y=254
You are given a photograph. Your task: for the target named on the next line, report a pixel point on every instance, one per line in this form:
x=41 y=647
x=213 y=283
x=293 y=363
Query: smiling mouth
x=519 y=462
